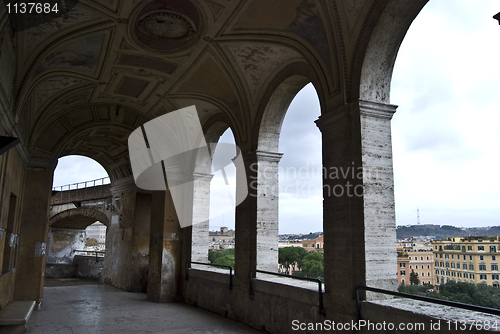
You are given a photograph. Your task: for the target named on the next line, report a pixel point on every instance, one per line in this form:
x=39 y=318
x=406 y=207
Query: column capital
x=268 y=156
x=203 y=176
x=37 y=164
x=377 y=109
x=359 y=107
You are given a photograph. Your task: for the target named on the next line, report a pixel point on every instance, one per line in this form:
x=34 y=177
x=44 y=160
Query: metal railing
x=91 y=251
x=422 y=298
x=188 y=266
x=78 y=186
x=311 y=279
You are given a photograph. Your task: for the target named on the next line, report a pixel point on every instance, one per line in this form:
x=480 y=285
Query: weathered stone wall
x=62 y=243
x=88 y=267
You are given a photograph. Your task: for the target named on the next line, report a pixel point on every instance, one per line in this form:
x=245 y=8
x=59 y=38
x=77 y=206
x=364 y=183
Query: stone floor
x=88 y=308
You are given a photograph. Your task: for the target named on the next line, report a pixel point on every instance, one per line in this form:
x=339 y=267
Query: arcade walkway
x=88 y=308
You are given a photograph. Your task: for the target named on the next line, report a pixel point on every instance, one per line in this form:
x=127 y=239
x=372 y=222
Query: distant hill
x=443 y=231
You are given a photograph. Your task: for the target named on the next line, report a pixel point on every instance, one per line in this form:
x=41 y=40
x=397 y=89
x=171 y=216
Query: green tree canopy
x=414 y=278
x=313 y=264
x=214 y=255
x=290 y=255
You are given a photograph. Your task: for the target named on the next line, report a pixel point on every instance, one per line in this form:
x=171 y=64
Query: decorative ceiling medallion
x=166 y=25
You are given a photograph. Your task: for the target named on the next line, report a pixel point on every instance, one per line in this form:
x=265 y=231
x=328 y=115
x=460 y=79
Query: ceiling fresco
x=83 y=81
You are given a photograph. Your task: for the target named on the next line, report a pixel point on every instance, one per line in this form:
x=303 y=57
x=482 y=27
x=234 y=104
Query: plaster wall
x=62 y=243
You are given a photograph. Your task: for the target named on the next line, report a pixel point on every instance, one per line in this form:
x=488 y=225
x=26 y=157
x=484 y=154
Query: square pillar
x=358 y=201
x=165 y=250
x=201 y=213
x=35 y=204
x=267 y=210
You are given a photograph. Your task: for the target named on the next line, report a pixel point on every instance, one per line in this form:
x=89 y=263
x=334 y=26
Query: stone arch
x=376 y=72
x=78 y=218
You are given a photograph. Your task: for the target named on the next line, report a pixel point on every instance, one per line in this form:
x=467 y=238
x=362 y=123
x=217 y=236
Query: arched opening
x=279 y=186
x=221 y=243
x=445 y=130
x=301 y=196
x=80 y=204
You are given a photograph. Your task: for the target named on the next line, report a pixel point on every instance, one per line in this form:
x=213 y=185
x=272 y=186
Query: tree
x=290 y=256
x=213 y=256
x=414 y=278
x=313 y=265
x=227 y=260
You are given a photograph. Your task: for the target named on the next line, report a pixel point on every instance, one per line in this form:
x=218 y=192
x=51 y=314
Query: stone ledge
x=412 y=311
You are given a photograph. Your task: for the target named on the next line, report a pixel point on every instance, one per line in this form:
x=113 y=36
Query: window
x=464 y=257
x=447 y=264
x=493 y=249
x=429 y=274
x=436 y=264
x=469 y=248
x=465 y=266
x=446 y=256
x=402 y=272
x=482 y=267
x=435 y=247
x=447 y=273
x=421 y=258
x=422 y=266
x=441 y=256
x=453 y=264
x=427 y=258
x=471 y=266
x=494 y=267
x=442 y=264
x=402 y=265
x=466 y=275
x=494 y=276
x=458 y=265
x=428 y=266
x=409 y=258
x=480 y=248
x=482 y=276
x=463 y=249
x=471 y=276
x=459 y=274
x=452 y=256
x=442 y=280
x=493 y=257
x=453 y=274
x=410 y=266
x=442 y=272
x=481 y=257
x=470 y=257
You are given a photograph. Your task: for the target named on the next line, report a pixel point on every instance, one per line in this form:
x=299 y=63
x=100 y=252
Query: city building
x=422 y=263
x=96 y=231
x=314 y=245
x=472 y=259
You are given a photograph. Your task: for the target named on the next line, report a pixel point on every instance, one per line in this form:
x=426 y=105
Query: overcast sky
x=445 y=131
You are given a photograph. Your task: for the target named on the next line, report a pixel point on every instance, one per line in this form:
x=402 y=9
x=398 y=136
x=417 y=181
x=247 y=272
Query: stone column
x=246 y=222
x=201 y=212
x=164 y=283
x=35 y=204
x=127 y=237
x=267 y=210
x=358 y=206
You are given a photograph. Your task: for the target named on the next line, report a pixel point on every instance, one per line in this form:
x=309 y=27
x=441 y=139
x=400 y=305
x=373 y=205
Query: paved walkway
x=95 y=308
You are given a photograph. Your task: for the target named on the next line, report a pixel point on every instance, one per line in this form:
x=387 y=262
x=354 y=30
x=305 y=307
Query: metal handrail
x=91 y=251
x=422 y=298
x=188 y=266
x=76 y=186
x=311 y=279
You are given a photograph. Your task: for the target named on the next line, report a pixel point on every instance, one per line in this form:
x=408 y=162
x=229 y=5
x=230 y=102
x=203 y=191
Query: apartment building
x=314 y=245
x=467 y=259
x=420 y=261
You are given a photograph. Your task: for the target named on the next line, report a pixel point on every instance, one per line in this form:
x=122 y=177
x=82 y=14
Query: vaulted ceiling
x=85 y=80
